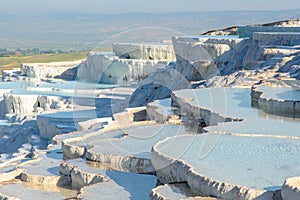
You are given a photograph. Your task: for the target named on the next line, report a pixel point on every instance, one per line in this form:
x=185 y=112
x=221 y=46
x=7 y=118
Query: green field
x=11 y=62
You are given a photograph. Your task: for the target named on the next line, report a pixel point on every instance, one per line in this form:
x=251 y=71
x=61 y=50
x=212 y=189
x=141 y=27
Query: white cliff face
x=285 y=27
x=277 y=38
x=20 y=104
x=193 y=61
x=23 y=104
x=144 y=51
x=271 y=54
x=108 y=68
x=94 y=66
x=202 y=57
x=47 y=70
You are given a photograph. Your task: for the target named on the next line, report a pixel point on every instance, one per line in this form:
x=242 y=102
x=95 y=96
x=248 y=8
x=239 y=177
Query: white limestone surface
x=277 y=38
x=228 y=167
x=125 y=187
x=128 y=185
x=74 y=144
x=97 y=123
x=175 y=191
x=216 y=105
x=133 y=150
x=47 y=70
x=43 y=169
x=248 y=31
x=110 y=69
x=24 y=191
x=61 y=122
x=277 y=99
x=231 y=40
x=161 y=110
x=193 y=61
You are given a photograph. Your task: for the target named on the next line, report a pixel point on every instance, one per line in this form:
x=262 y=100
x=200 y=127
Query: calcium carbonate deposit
x=214 y=116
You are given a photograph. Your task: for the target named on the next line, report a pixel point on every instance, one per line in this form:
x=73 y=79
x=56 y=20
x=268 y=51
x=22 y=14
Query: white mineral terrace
x=19 y=190
x=176 y=192
x=126 y=149
x=254 y=162
x=114 y=184
x=245 y=158
x=234 y=103
x=283 y=98
x=47 y=70
x=144 y=51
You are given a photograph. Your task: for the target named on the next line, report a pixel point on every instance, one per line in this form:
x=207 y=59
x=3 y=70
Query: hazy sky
x=123 y=6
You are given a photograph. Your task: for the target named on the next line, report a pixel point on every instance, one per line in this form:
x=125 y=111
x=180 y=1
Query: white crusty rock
x=126 y=149
x=193 y=61
x=108 y=68
x=144 y=51
x=182 y=161
x=47 y=70
x=158 y=86
x=161 y=111
x=43 y=169
x=175 y=191
x=31 y=104
x=279 y=96
x=18 y=190
x=61 y=122
x=291 y=189
x=277 y=38
x=106 y=182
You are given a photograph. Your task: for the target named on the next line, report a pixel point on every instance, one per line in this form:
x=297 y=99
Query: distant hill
x=85 y=31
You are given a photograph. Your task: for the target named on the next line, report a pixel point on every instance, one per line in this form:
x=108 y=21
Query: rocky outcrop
x=43 y=169
x=19 y=104
x=292 y=66
x=158 y=86
x=108 y=190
